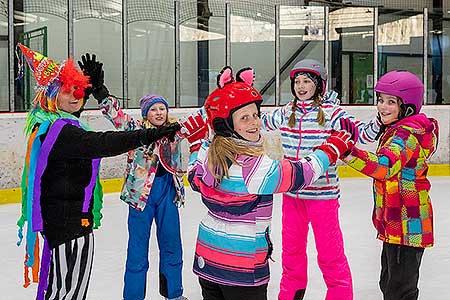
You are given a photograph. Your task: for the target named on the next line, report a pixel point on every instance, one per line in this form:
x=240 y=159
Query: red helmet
x=230 y=96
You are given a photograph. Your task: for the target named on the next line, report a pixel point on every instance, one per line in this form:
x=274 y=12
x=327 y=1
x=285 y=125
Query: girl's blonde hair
x=146 y=123
x=317 y=101
x=224 y=150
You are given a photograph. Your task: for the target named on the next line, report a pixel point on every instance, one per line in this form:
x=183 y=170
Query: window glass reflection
x=4 y=92
x=351 y=54
x=42 y=27
x=438 y=58
x=98 y=29
x=151 y=50
x=151 y=61
x=202 y=49
x=400 y=42
x=301 y=36
x=253 y=44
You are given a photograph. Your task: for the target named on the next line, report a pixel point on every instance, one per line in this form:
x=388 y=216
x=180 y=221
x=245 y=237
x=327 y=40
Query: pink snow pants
x=324 y=219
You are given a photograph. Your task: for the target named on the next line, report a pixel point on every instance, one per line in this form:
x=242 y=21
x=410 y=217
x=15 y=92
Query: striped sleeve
x=264 y=176
x=273 y=120
x=195 y=166
x=367 y=131
x=111 y=110
x=389 y=160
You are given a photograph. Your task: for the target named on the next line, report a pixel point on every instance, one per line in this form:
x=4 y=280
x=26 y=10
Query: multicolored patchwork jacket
x=233 y=244
x=142 y=164
x=402 y=208
x=307 y=134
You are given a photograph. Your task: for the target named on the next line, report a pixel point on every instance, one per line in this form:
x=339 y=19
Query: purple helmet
x=310 y=66
x=404 y=85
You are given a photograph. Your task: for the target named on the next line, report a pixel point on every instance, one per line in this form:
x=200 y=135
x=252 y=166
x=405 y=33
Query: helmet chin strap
x=406 y=110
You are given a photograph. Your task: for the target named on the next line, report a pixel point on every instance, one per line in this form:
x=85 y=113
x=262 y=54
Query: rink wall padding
x=13 y=142
x=114 y=185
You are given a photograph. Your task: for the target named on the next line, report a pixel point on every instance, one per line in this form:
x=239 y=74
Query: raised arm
x=108 y=104
x=273 y=120
x=390 y=159
x=111 y=110
x=367 y=131
x=76 y=143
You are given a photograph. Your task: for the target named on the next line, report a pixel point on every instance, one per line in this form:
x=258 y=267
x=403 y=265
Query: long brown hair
x=225 y=149
x=317 y=101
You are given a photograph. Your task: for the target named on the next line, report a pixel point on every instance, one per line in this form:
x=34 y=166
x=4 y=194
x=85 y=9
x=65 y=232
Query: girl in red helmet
x=306 y=122
x=402 y=215
x=237 y=182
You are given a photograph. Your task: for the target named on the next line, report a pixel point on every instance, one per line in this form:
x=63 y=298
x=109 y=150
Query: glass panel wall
x=301 y=36
x=98 y=29
x=42 y=26
x=4 y=70
x=202 y=49
x=151 y=50
x=351 y=54
x=438 y=58
x=400 y=42
x=253 y=43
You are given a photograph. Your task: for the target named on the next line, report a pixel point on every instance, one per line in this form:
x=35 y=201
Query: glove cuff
x=195 y=146
x=100 y=93
x=329 y=151
x=143 y=137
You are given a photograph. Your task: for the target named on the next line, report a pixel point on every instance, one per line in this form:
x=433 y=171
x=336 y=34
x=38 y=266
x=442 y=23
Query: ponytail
x=291 y=122
x=320 y=115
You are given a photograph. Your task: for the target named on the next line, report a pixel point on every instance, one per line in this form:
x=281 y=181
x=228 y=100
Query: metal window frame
x=70 y=41
x=326 y=49
x=70 y=28
x=375 y=51
x=425 y=55
x=227 y=33
x=177 y=54
x=11 y=55
x=277 y=55
x=125 y=101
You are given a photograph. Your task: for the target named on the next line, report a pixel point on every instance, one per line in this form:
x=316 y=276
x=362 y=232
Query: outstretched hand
x=94 y=69
x=194 y=129
x=337 y=145
x=152 y=135
x=350 y=127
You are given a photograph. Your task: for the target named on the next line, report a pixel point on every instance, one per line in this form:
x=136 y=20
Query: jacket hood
x=425 y=129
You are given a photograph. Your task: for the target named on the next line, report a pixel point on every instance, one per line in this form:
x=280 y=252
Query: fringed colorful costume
x=62 y=196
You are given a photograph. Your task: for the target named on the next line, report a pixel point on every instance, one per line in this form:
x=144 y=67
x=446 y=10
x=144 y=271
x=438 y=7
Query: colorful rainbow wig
x=69 y=76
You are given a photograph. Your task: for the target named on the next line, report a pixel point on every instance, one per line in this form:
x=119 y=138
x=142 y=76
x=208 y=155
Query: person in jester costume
x=61 y=194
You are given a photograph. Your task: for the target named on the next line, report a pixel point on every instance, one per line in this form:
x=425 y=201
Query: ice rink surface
x=362 y=249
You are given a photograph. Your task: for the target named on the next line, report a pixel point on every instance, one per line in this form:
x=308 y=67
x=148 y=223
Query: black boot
x=299 y=295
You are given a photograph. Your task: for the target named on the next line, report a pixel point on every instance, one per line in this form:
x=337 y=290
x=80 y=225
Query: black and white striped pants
x=70 y=269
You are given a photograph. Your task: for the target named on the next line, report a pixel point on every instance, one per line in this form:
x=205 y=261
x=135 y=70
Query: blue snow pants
x=160 y=206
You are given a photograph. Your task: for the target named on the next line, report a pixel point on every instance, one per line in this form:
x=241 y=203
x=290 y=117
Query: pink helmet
x=404 y=85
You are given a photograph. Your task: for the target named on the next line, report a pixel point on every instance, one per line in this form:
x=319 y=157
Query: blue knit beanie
x=148 y=100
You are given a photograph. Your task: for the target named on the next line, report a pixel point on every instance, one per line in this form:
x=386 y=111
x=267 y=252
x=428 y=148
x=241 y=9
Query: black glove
x=94 y=69
x=151 y=135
